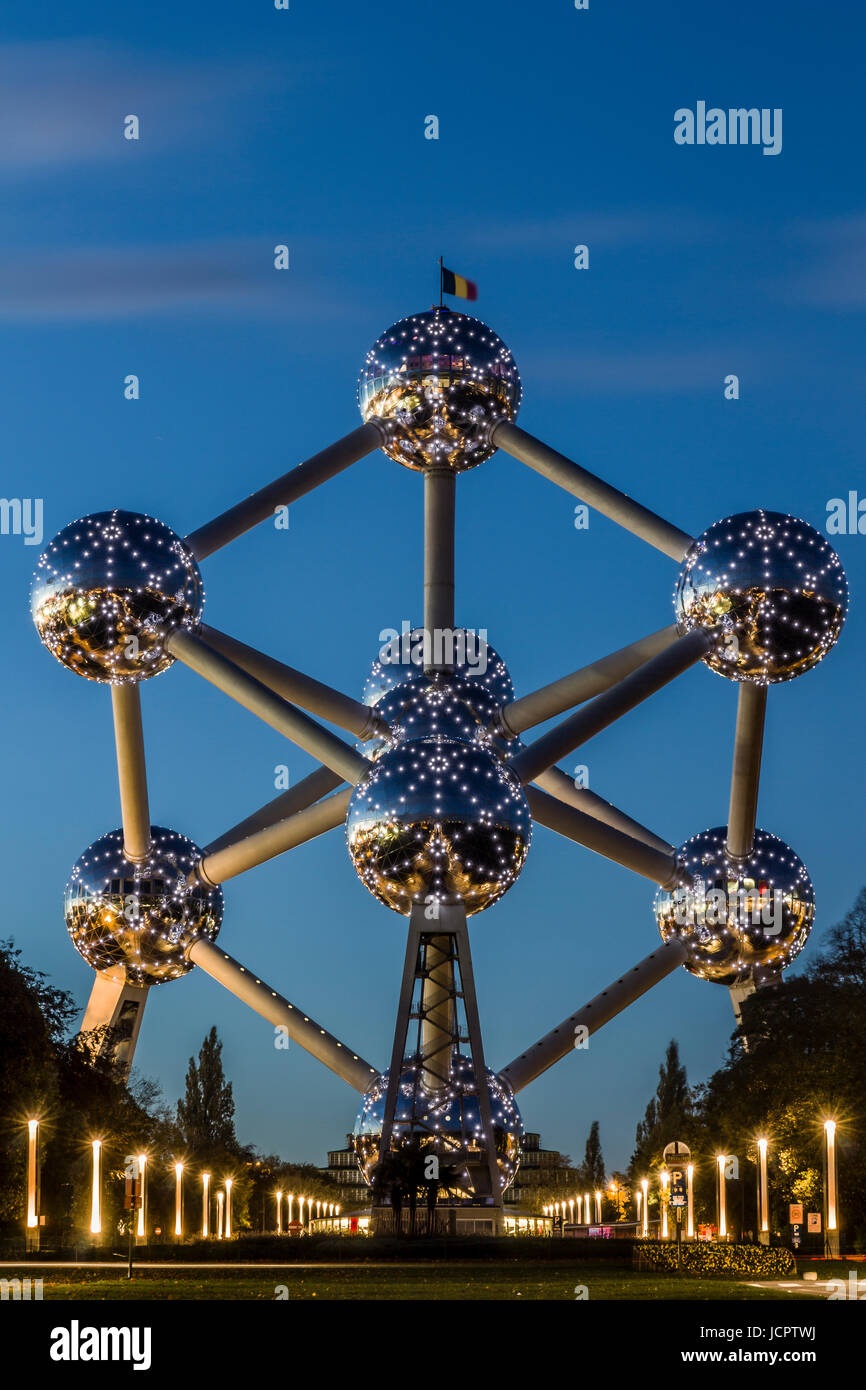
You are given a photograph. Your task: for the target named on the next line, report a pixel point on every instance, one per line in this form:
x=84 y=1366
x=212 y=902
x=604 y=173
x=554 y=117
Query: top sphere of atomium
x=107 y=591
x=739 y=917
x=776 y=588
x=468 y=654
x=138 y=920
x=440 y=380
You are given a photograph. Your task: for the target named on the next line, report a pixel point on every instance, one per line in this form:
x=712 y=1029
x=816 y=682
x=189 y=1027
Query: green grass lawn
x=481 y=1281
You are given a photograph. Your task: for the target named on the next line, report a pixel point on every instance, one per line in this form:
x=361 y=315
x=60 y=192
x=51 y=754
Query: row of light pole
x=558 y=1210
x=324 y=1210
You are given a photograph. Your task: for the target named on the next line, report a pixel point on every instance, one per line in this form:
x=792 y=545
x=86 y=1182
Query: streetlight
x=291 y=1206
x=33 y=1179
x=571 y=1210
x=205 y=1203
x=220 y=1199
x=587 y=1208
x=279 y=1200
x=142 y=1172
x=229 y=1182
x=598 y=1207
x=721 y=1160
x=301 y=1201
x=665 y=1179
x=831 y=1191
x=763 y=1215
x=645 y=1187
x=96 y=1189
x=690 y=1227
x=178 y=1200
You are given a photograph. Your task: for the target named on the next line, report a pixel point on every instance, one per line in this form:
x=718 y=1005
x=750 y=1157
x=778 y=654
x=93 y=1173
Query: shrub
x=760 y=1261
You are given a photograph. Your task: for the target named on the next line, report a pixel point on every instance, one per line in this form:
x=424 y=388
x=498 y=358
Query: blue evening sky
x=155 y=257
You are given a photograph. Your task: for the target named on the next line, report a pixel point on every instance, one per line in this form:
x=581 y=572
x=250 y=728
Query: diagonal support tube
x=746 y=774
x=131 y=771
x=590 y=719
x=559 y=1042
x=310 y=694
x=637 y=855
x=243 y=854
x=592 y=490
x=285 y=490
x=439 y=504
x=265 y=1001
x=303 y=794
x=558 y=784
x=589 y=681
x=261 y=701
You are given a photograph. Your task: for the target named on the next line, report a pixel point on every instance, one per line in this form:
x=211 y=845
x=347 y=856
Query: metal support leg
x=746 y=775
x=131 y=771
x=116 y=1009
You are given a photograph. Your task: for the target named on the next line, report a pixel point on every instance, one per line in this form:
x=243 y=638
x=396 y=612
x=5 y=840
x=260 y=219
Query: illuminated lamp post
x=205 y=1204
x=831 y=1191
x=763 y=1205
x=721 y=1160
x=278 y=1198
x=33 y=1184
x=291 y=1201
x=598 y=1208
x=645 y=1188
x=96 y=1189
x=690 y=1216
x=141 y=1231
x=178 y=1200
x=571 y=1210
x=587 y=1208
x=229 y=1182
x=220 y=1201
x=665 y=1180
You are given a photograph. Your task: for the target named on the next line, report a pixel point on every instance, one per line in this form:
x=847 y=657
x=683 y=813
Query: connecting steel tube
x=310 y=694
x=303 y=794
x=592 y=490
x=285 y=490
x=243 y=854
x=561 y=786
x=590 y=719
x=637 y=855
x=746 y=774
x=439 y=504
x=265 y=1001
x=589 y=681
x=562 y=1040
x=131 y=771
x=261 y=701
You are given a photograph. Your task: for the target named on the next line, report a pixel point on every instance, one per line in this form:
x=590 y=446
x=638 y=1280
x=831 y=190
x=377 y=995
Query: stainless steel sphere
x=775 y=586
x=469 y=655
x=438 y=818
x=106 y=590
x=738 y=918
x=446 y=1123
x=440 y=380
x=138 y=920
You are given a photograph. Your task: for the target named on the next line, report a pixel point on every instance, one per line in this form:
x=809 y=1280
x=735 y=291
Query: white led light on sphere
x=446 y=1123
x=108 y=589
x=739 y=917
x=777 y=588
x=439 y=380
x=138 y=920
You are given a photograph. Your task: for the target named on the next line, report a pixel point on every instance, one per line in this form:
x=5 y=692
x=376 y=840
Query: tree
x=592 y=1169
x=668 y=1115
x=206 y=1115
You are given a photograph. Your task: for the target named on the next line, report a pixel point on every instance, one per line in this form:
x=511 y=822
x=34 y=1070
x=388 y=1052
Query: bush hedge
x=703 y=1257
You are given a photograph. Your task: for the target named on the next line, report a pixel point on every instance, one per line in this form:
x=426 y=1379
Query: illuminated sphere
x=106 y=591
x=774 y=585
x=739 y=916
x=440 y=380
x=138 y=920
x=438 y=817
x=446 y=1122
x=473 y=658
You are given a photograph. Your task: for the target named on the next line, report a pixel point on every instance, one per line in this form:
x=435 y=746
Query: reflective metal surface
x=446 y=1123
x=104 y=588
x=438 y=817
x=139 y=919
x=739 y=916
x=441 y=380
x=468 y=654
x=777 y=588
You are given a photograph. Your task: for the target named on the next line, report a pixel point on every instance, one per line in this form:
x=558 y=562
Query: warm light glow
x=690 y=1226
x=32 y=1144
x=278 y=1197
x=229 y=1182
x=644 y=1182
x=665 y=1180
x=763 y=1212
x=721 y=1159
x=220 y=1200
x=142 y=1170
x=830 y=1135
x=96 y=1191
x=178 y=1199
x=205 y=1203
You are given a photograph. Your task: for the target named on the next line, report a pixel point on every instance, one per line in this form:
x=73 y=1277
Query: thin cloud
x=836 y=260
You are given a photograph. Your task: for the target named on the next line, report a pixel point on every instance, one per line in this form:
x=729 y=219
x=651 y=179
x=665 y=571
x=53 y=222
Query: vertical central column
x=439 y=500
x=437 y=1012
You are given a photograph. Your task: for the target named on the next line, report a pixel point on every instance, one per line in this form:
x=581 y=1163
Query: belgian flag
x=458 y=285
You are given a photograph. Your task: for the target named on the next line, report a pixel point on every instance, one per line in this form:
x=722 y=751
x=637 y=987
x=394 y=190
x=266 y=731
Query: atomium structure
x=437 y=790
